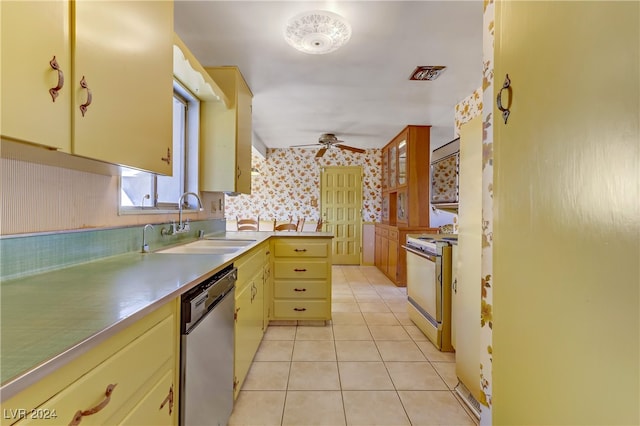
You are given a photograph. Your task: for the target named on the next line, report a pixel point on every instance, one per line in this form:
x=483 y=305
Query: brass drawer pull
x=299 y=289
x=77 y=418
x=85 y=106
x=300 y=270
x=168 y=399
x=54 y=90
x=505 y=111
x=300 y=309
x=167 y=159
x=300 y=250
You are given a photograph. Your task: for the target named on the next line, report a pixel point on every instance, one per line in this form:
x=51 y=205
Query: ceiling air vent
x=427 y=72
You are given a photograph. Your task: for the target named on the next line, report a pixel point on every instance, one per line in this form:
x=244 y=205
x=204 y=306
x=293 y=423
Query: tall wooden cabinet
x=225 y=151
x=108 y=94
x=405 y=198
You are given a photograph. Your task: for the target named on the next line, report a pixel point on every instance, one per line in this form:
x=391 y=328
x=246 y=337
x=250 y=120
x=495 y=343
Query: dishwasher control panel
x=196 y=302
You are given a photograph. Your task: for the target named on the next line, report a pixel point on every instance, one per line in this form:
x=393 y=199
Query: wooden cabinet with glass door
x=107 y=101
x=405 y=198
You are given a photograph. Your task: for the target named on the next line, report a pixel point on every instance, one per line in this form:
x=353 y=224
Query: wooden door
x=566 y=214
x=341 y=204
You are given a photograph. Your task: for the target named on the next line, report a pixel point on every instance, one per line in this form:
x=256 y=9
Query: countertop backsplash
x=30 y=254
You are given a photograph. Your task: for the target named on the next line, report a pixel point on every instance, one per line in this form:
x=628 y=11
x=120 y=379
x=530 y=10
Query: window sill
x=152 y=210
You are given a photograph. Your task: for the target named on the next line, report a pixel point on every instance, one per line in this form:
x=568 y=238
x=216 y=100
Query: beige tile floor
x=370 y=366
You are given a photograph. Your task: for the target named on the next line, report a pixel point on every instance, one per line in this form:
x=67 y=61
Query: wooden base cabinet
x=390 y=257
x=301 y=278
x=130 y=378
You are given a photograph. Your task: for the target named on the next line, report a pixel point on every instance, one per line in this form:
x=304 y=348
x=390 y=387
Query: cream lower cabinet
x=113 y=82
x=130 y=378
x=301 y=278
x=249 y=311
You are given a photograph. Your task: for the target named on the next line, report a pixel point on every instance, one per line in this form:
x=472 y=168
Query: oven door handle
x=421 y=254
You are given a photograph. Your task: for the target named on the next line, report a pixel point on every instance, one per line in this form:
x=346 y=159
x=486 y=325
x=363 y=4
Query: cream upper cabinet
x=120 y=75
x=225 y=162
x=124 y=53
x=33 y=34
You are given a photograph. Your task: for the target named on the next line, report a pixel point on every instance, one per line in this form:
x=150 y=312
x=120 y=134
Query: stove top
x=430 y=242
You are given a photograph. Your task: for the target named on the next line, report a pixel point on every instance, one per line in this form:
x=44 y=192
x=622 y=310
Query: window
x=143 y=192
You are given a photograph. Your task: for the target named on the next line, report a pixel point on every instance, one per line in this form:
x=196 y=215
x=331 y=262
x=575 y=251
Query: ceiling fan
x=328 y=140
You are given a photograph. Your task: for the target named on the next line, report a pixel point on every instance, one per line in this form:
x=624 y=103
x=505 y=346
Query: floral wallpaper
x=486 y=312
x=288 y=184
x=469 y=107
x=444 y=177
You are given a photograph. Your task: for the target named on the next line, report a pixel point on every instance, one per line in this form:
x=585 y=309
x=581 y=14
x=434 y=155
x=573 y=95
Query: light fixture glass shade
x=317 y=32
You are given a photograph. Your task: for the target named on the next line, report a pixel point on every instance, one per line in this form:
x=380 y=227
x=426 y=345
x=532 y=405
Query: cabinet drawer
x=249 y=264
x=300 y=289
x=383 y=232
x=300 y=269
x=393 y=234
x=293 y=248
x=128 y=369
x=158 y=407
x=302 y=309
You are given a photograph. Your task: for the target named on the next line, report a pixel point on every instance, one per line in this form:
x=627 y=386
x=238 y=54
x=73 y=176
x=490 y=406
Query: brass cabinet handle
x=167 y=159
x=77 y=418
x=505 y=86
x=168 y=399
x=54 y=90
x=85 y=106
x=299 y=289
x=300 y=309
x=300 y=250
x=300 y=270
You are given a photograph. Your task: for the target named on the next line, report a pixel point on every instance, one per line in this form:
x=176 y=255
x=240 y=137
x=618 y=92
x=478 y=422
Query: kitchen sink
x=219 y=242
x=208 y=246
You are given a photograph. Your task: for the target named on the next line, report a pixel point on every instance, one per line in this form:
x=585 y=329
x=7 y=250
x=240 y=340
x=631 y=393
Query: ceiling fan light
x=317 y=32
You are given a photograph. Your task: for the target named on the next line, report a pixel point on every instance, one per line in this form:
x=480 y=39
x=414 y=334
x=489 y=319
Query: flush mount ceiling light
x=317 y=32
x=427 y=72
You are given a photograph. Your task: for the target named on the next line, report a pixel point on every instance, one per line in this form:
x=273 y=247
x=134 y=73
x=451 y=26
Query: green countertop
x=49 y=319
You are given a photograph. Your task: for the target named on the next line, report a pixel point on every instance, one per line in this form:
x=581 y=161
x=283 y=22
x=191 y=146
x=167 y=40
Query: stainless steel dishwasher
x=206 y=352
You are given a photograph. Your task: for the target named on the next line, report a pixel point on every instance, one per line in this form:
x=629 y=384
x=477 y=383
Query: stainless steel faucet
x=184 y=227
x=145 y=246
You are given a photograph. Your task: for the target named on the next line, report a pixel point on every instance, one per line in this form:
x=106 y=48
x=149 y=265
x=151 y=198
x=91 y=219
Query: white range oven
x=429 y=286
